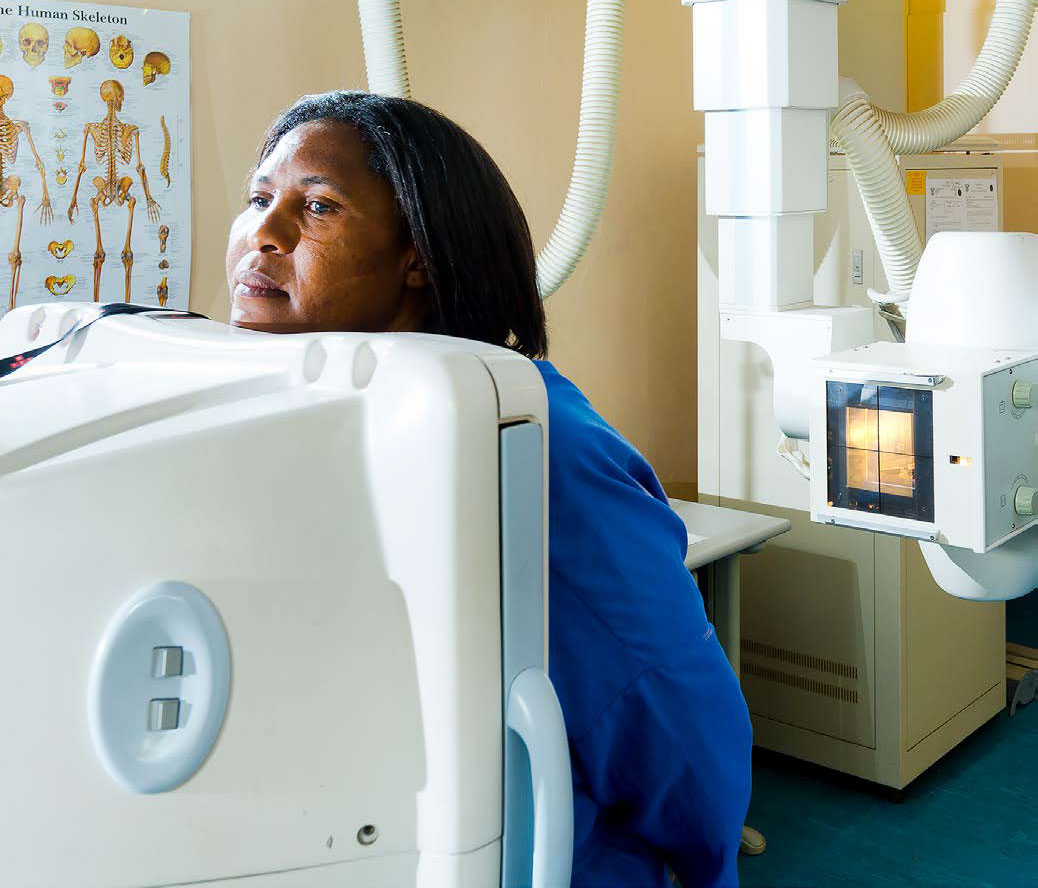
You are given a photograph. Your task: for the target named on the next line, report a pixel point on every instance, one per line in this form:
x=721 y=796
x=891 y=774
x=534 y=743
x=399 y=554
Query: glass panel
x=880 y=448
x=863 y=470
x=862 y=428
x=896 y=432
x=897 y=474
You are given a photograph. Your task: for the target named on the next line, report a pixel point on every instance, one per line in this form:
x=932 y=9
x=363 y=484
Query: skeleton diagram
x=113 y=145
x=10 y=131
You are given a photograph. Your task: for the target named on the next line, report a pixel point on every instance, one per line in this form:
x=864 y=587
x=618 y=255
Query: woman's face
x=319 y=247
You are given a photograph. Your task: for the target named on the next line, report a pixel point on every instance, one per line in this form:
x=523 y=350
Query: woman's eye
x=259 y=201
x=318 y=208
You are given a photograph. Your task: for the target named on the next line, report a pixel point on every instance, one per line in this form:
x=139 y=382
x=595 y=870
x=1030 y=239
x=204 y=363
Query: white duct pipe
x=589 y=183
x=386 y=64
x=382 y=31
x=872 y=136
x=875 y=168
x=960 y=111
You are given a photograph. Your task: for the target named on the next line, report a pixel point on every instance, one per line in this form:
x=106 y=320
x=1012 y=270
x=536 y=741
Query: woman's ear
x=416 y=277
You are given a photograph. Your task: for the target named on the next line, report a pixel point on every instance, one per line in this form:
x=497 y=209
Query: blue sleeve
x=658 y=726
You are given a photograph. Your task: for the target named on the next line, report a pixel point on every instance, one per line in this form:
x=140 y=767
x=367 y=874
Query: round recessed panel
x=159 y=687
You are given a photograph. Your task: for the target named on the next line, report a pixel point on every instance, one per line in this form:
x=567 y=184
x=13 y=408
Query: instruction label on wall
x=961 y=204
x=94 y=154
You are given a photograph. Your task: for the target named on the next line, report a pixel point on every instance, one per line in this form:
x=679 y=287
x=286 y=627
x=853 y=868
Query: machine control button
x=167 y=662
x=1026 y=501
x=1023 y=394
x=164 y=715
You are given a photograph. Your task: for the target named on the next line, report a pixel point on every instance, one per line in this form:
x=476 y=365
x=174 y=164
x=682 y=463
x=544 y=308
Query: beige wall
x=623 y=328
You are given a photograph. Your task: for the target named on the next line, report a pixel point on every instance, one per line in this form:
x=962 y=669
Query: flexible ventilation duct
x=384 y=58
x=589 y=183
x=872 y=136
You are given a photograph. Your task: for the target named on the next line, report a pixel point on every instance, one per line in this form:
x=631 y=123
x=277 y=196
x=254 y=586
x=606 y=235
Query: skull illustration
x=163 y=234
x=155 y=63
x=33 y=41
x=121 y=52
x=112 y=93
x=80 y=43
x=6 y=89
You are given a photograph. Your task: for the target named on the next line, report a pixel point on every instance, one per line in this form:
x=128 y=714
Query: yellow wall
x=872 y=49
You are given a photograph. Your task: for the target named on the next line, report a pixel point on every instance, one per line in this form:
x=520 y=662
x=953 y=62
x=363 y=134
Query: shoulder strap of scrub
x=16 y=362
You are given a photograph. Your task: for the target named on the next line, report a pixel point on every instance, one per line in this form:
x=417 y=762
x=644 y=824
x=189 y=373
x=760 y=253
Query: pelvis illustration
x=60 y=286
x=60 y=251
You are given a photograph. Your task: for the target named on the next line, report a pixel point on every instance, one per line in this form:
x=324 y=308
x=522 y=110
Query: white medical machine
x=935 y=436
x=274 y=610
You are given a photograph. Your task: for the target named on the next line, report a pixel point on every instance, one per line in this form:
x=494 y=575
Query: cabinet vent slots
x=797 y=658
x=845 y=695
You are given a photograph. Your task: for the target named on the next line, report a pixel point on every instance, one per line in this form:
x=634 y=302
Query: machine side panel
x=523 y=620
x=347 y=533
x=1011 y=450
x=949 y=667
x=808 y=630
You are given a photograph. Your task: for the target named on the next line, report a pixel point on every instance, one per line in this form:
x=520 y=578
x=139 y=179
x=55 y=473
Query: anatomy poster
x=95 y=178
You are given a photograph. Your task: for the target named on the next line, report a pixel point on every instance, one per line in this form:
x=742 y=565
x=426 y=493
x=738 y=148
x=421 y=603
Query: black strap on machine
x=16 y=362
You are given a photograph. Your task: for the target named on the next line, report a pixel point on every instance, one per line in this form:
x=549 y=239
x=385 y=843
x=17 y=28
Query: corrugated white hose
x=382 y=31
x=589 y=183
x=875 y=168
x=871 y=137
x=960 y=111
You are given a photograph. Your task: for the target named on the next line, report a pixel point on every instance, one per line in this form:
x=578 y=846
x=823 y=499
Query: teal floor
x=971 y=820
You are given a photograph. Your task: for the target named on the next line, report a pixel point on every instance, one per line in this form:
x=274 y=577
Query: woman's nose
x=274 y=232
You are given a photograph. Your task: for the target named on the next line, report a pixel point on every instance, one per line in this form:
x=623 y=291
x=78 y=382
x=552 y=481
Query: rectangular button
x=167 y=662
x=163 y=715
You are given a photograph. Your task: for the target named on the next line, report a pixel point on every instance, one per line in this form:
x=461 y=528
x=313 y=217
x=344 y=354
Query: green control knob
x=1026 y=501
x=1022 y=394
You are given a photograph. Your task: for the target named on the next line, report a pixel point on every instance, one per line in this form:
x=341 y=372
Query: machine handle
x=533 y=712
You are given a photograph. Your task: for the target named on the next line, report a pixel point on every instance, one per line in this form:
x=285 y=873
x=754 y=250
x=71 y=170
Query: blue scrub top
x=659 y=734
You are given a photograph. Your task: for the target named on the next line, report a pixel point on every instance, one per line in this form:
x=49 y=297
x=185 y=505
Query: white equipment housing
x=927 y=442
x=765 y=76
x=275 y=610
x=971 y=363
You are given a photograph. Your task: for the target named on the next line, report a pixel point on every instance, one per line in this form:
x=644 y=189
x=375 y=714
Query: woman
x=375 y=214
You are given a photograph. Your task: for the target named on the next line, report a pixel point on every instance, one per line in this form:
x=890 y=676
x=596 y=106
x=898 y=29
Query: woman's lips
x=255 y=284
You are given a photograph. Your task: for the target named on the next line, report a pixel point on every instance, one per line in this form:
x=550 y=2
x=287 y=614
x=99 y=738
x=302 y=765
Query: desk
x=716 y=539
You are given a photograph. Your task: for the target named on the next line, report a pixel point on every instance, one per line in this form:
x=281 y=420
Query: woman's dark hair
x=459 y=211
